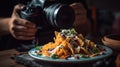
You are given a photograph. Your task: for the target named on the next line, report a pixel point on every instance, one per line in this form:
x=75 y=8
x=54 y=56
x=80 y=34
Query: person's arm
x=4 y=29
x=19 y=28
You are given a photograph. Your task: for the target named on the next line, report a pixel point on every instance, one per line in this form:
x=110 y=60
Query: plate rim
x=81 y=60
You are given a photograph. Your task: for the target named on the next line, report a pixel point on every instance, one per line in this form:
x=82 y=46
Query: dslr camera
x=49 y=14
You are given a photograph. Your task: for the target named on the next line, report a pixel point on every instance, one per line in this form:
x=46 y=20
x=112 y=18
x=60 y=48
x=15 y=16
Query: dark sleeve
x=7 y=6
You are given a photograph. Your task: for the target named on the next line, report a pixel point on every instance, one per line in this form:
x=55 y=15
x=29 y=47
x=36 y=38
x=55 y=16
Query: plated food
x=68 y=43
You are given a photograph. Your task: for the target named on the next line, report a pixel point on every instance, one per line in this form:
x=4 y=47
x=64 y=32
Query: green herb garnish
x=95 y=50
x=54 y=56
x=38 y=47
x=39 y=53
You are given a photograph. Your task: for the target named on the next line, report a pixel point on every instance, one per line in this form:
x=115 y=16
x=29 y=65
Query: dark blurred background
x=106 y=16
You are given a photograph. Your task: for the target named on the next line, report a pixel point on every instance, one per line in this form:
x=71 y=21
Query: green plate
x=107 y=53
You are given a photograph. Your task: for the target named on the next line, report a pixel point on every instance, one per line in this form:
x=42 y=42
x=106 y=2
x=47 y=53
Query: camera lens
x=60 y=15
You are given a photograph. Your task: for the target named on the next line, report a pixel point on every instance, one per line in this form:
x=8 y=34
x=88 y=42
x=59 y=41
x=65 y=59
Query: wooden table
x=7 y=61
x=6 y=58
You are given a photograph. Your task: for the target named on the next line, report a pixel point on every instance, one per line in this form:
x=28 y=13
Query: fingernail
x=23 y=7
x=33 y=25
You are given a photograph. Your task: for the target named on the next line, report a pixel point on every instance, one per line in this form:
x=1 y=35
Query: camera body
x=49 y=14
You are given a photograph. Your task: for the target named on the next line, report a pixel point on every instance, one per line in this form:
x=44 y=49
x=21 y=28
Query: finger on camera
x=19 y=21
x=27 y=23
x=25 y=38
x=24 y=30
x=19 y=28
x=34 y=30
x=19 y=7
x=24 y=34
x=23 y=22
x=30 y=25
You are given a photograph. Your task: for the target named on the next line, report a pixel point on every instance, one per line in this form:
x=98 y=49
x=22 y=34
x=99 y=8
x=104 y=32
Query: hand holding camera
x=40 y=14
x=21 y=29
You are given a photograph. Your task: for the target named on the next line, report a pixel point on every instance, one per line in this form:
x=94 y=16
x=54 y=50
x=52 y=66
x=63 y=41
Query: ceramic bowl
x=112 y=40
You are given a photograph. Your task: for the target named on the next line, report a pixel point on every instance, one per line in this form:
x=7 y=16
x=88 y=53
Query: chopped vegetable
x=54 y=56
x=95 y=50
x=38 y=47
x=39 y=53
